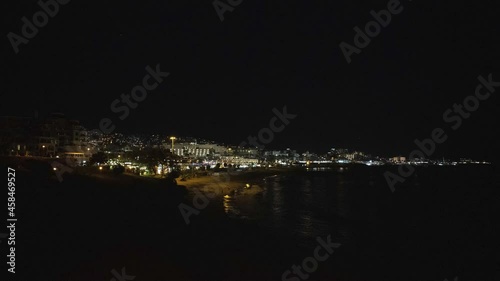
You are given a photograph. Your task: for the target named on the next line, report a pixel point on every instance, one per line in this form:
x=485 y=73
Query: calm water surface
x=442 y=219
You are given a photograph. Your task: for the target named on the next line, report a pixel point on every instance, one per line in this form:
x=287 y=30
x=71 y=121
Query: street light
x=173 y=139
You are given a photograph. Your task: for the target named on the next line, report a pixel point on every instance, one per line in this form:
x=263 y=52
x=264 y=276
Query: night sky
x=226 y=77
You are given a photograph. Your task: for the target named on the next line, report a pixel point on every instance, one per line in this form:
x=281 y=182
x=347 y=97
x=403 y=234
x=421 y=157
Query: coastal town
x=66 y=141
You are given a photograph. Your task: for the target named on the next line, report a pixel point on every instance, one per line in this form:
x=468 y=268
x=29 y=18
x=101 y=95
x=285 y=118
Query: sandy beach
x=244 y=183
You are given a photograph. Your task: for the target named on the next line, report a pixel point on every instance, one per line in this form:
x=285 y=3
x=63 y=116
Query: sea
x=440 y=222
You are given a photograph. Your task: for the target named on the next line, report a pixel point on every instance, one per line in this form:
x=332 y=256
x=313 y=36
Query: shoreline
x=244 y=183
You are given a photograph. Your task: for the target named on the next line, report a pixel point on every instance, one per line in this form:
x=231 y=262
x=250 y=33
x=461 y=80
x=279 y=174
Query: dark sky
x=226 y=77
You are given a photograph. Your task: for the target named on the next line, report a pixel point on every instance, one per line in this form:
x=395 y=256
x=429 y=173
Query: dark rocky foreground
x=85 y=226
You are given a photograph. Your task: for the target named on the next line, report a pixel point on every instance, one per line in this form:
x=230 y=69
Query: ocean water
x=440 y=222
x=443 y=222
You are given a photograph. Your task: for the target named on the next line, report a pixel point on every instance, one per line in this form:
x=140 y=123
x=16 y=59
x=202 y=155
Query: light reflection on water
x=306 y=205
x=230 y=207
x=302 y=205
x=359 y=211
